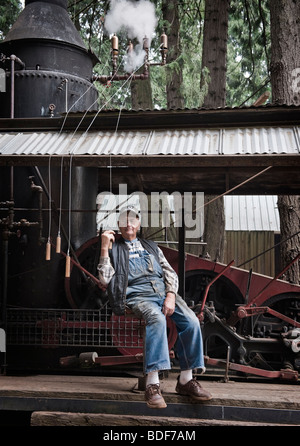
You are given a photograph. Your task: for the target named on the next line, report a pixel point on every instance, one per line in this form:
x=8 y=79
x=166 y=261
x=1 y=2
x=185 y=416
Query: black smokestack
x=57 y=67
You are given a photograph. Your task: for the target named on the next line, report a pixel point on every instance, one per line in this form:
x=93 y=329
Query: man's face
x=129 y=225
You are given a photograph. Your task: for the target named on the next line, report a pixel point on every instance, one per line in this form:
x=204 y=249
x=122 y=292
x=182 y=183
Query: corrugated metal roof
x=251 y=213
x=233 y=141
x=255 y=141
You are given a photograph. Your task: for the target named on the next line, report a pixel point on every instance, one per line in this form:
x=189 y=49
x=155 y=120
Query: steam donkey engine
x=50 y=319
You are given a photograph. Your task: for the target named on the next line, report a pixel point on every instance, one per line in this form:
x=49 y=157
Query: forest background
x=248 y=48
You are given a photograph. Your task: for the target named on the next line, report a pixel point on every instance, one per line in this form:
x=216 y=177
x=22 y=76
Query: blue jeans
x=145 y=297
x=189 y=339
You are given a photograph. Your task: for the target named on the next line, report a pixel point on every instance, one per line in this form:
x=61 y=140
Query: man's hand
x=107 y=237
x=169 y=304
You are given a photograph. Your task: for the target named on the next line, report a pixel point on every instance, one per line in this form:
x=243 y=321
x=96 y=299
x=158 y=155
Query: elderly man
x=138 y=276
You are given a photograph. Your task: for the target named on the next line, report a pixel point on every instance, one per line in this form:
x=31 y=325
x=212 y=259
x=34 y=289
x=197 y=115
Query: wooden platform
x=62 y=400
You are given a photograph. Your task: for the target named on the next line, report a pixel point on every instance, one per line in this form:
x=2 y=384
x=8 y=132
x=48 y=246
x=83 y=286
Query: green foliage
x=248 y=50
x=9 y=11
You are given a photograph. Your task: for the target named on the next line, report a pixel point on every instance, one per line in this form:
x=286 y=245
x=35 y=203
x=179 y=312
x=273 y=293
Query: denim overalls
x=145 y=296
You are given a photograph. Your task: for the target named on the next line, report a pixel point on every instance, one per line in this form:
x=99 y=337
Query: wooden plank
x=90 y=419
x=260 y=394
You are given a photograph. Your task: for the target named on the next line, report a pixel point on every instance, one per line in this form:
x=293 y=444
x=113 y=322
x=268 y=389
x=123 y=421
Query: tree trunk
x=214 y=53
x=285 y=55
x=141 y=93
x=214 y=229
x=285 y=79
x=174 y=78
x=288 y=206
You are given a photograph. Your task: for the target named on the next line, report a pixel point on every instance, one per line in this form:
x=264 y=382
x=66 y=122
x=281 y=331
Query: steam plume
x=137 y=19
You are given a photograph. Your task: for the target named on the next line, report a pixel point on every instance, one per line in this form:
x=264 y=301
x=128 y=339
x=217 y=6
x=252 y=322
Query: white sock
x=185 y=376
x=152 y=378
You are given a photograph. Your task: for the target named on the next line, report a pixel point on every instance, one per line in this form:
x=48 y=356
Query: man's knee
x=150 y=313
x=153 y=316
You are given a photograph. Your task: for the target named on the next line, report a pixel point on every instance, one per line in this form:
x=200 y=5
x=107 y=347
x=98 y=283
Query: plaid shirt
x=106 y=270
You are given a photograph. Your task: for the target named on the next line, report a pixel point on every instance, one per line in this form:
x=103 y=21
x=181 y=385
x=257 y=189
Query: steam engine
x=48 y=321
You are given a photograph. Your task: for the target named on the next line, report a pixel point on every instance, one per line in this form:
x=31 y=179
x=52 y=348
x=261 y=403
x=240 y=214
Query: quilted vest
x=119 y=257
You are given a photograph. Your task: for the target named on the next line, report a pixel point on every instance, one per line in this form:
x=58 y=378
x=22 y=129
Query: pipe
x=181 y=260
x=3 y=302
x=163 y=48
x=146 y=49
x=40 y=191
x=13 y=60
x=105 y=79
x=12 y=88
x=115 y=52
